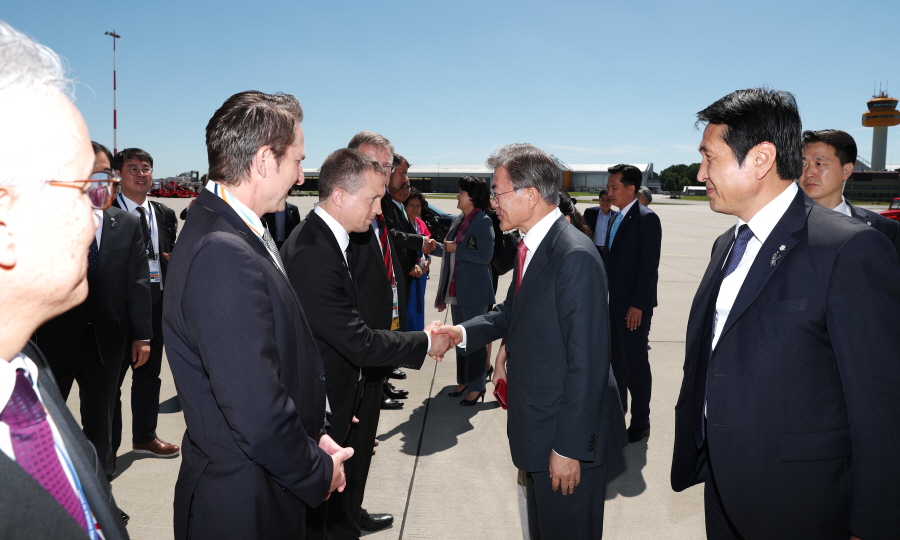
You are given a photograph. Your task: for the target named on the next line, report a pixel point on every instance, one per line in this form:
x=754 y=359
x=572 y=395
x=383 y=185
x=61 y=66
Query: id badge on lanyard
x=395 y=307
x=155 y=276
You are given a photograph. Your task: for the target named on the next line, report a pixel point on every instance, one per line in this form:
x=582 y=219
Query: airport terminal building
x=445 y=178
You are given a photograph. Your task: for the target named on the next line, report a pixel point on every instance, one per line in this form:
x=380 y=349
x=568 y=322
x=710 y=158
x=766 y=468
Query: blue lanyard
x=88 y=515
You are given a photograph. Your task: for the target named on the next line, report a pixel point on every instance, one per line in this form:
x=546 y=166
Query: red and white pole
x=115 y=122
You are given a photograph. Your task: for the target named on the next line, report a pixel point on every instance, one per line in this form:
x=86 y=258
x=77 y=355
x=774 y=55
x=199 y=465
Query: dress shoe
x=388 y=403
x=374 y=522
x=489 y=376
x=125 y=517
x=396 y=373
x=457 y=393
x=158 y=448
x=393 y=393
x=635 y=435
x=470 y=402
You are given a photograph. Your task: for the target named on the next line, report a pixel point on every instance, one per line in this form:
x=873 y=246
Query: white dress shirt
x=843 y=208
x=131 y=207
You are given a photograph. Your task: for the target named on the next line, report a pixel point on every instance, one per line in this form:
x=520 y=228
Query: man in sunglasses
x=159 y=227
x=52 y=483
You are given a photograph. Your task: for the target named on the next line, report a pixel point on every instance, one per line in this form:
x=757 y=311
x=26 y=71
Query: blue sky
x=449 y=82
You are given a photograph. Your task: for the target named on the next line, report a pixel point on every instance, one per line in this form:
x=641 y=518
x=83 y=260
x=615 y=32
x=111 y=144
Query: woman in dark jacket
x=465 y=283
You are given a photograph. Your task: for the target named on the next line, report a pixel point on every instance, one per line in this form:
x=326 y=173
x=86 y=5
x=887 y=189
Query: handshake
x=443 y=337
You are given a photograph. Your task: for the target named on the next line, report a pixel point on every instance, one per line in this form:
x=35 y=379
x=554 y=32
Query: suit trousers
x=343 y=509
x=145 y=387
x=96 y=392
x=631 y=366
x=573 y=516
x=471 y=366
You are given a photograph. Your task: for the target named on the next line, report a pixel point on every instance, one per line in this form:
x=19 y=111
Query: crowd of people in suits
x=282 y=332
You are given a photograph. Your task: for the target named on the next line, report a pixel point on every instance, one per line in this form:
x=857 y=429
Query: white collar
x=8 y=375
x=625 y=210
x=536 y=235
x=843 y=208
x=249 y=216
x=125 y=200
x=765 y=220
x=339 y=232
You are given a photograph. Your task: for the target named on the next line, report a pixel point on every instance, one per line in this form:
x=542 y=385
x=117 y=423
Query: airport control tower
x=882 y=114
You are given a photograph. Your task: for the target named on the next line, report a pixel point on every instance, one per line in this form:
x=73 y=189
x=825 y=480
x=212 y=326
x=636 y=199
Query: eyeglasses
x=100 y=188
x=495 y=195
x=388 y=167
x=134 y=171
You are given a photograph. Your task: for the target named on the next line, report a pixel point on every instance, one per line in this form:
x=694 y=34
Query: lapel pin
x=113 y=223
x=782 y=248
x=776 y=256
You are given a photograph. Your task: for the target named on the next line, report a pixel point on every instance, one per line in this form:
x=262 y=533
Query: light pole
x=115 y=36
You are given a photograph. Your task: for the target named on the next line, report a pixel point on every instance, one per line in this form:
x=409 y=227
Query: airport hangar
x=590 y=178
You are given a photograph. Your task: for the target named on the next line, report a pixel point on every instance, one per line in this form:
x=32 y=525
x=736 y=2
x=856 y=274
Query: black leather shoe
x=393 y=393
x=457 y=393
x=374 y=522
x=125 y=517
x=470 y=402
x=635 y=435
x=388 y=403
x=396 y=373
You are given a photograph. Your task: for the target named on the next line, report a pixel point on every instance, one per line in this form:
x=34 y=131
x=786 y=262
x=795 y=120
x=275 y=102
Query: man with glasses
x=159 y=227
x=598 y=219
x=52 y=483
x=86 y=344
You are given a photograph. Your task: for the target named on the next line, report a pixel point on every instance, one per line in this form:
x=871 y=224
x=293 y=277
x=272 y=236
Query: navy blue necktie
x=93 y=257
x=734 y=258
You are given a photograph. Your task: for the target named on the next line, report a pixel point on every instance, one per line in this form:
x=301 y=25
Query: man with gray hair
x=564 y=412
x=256 y=453
x=53 y=484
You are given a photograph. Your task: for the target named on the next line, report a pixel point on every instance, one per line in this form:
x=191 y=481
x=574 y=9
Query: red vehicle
x=172 y=189
x=894 y=211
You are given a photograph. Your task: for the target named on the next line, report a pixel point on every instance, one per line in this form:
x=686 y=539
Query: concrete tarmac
x=443 y=470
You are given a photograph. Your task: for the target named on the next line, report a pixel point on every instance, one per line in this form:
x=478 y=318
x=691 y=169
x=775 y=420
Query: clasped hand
x=443 y=337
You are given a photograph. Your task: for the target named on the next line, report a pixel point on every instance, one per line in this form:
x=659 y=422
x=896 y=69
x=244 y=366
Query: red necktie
x=521 y=253
x=32 y=442
x=386 y=248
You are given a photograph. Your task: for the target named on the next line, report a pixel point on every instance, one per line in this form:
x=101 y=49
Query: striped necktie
x=386 y=248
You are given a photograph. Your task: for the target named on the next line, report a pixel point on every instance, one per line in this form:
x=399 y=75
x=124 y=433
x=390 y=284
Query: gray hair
x=28 y=66
x=346 y=169
x=529 y=166
x=371 y=138
x=646 y=194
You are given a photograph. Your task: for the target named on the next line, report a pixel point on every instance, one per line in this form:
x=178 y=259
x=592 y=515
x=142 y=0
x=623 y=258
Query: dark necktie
x=155 y=291
x=93 y=257
x=521 y=253
x=349 y=252
x=734 y=258
x=386 y=248
x=32 y=442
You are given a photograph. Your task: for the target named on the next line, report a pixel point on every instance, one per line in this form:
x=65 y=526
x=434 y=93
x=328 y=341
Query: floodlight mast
x=115 y=36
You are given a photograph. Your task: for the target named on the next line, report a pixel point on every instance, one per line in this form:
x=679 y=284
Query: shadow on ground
x=447 y=421
x=625 y=476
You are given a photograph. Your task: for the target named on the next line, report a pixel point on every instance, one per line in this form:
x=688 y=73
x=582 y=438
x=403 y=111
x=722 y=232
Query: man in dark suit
x=245 y=363
x=564 y=413
x=51 y=483
x=599 y=218
x=787 y=410
x=828 y=159
x=159 y=227
x=88 y=342
x=317 y=258
x=633 y=243
x=281 y=222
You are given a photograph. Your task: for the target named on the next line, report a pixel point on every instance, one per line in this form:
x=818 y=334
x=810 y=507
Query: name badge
x=155 y=276
x=395 y=308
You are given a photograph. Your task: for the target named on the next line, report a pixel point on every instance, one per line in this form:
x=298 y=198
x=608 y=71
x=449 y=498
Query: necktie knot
x=23 y=409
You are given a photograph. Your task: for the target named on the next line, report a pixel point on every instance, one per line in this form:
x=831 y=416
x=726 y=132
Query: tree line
x=675 y=177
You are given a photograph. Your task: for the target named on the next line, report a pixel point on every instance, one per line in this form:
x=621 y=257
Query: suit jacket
x=27 y=510
x=632 y=262
x=473 y=257
x=405 y=236
x=316 y=268
x=802 y=409
x=291 y=220
x=590 y=217
x=167 y=227
x=118 y=302
x=888 y=227
x=250 y=380
x=561 y=392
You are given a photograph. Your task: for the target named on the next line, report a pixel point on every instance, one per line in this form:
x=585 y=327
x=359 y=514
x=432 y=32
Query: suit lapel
x=782 y=236
x=540 y=258
x=108 y=235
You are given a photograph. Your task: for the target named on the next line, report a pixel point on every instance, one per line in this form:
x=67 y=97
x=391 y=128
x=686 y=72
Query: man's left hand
x=565 y=473
x=140 y=353
x=633 y=318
